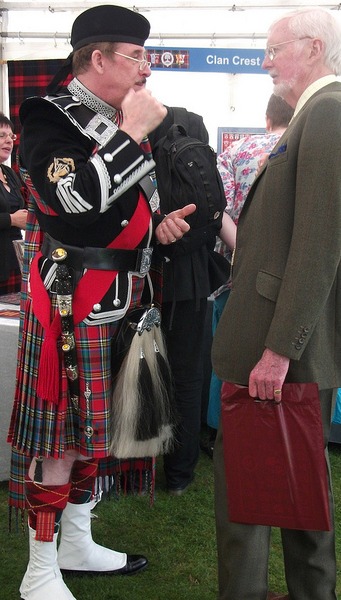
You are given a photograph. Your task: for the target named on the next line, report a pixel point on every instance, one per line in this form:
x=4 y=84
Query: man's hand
x=173 y=226
x=18 y=218
x=267 y=377
x=142 y=113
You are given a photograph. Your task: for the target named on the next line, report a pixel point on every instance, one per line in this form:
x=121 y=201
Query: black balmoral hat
x=105 y=23
x=109 y=23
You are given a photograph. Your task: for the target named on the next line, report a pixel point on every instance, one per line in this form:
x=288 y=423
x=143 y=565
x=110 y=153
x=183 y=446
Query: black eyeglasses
x=271 y=51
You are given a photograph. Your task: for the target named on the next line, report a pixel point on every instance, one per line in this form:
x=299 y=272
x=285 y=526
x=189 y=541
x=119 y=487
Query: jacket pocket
x=268 y=285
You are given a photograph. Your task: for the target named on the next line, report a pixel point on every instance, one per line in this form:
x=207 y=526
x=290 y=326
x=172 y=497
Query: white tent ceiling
x=25 y=27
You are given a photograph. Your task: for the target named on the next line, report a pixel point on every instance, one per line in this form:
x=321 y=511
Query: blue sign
x=214 y=60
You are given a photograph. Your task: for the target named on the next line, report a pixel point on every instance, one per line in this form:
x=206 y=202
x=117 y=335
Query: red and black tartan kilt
x=40 y=428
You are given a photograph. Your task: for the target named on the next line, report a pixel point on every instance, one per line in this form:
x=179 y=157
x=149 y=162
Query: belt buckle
x=146 y=259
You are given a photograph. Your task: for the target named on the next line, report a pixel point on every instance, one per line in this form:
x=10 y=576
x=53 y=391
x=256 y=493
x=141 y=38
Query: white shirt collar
x=311 y=89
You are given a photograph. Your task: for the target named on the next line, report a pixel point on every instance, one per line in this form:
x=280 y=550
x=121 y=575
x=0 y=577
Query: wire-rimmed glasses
x=4 y=135
x=272 y=50
x=143 y=63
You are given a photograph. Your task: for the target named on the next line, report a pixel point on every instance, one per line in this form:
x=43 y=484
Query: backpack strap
x=181 y=117
x=192 y=122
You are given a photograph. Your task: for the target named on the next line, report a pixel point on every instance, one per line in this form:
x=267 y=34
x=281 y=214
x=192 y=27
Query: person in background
x=186 y=287
x=13 y=213
x=238 y=167
x=85 y=156
x=282 y=322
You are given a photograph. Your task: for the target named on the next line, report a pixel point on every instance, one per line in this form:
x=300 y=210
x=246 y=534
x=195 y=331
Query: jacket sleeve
x=77 y=178
x=5 y=221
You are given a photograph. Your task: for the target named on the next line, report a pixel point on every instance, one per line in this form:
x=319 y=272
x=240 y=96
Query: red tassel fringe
x=48 y=375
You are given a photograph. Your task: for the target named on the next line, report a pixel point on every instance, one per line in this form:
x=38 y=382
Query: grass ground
x=177 y=534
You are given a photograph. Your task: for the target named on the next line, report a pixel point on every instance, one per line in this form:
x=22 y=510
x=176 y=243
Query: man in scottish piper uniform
x=84 y=155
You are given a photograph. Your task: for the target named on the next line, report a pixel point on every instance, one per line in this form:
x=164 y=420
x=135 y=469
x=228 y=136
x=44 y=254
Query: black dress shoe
x=180 y=490
x=134 y=564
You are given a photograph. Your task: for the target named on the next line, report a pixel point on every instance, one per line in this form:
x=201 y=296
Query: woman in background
x=12 y=212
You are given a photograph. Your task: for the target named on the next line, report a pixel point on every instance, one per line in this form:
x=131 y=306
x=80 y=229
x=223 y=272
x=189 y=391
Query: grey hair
x=318 y=23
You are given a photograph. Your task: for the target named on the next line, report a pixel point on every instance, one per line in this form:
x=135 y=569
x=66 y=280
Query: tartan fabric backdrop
x=27 y=78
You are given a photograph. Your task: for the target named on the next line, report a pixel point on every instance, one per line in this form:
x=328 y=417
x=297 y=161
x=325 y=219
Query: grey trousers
x=243 y=550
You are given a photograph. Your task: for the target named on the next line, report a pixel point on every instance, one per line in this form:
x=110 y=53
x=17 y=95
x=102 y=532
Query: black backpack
x=186 y=172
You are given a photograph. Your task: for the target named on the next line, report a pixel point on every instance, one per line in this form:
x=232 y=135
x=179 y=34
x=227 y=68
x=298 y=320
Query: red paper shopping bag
x=274 y=458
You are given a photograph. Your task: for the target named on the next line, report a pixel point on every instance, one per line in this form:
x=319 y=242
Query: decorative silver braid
x=76 y=88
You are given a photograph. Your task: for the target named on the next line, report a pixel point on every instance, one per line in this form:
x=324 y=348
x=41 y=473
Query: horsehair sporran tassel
x=148 y=415
x=154 y=387
x=166 y=379
x=142 y=417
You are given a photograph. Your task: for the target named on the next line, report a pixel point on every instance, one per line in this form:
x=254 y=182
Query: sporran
x=143 y=416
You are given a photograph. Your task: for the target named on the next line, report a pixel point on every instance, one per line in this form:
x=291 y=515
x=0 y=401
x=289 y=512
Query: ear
x=97 y=60
x=316 y=48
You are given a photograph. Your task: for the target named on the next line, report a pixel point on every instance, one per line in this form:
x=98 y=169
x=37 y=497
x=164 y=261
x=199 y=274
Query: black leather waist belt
x=105 y=259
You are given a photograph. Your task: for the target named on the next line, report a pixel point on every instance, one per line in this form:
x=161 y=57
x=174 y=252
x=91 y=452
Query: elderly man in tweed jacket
x=282 y=321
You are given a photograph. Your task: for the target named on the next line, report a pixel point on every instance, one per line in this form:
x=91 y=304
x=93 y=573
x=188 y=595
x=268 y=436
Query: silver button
x=117 y=302
x=97 y=307
x=88 y=431
x=117 y=179
x=124 y=223
x=108 y=157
